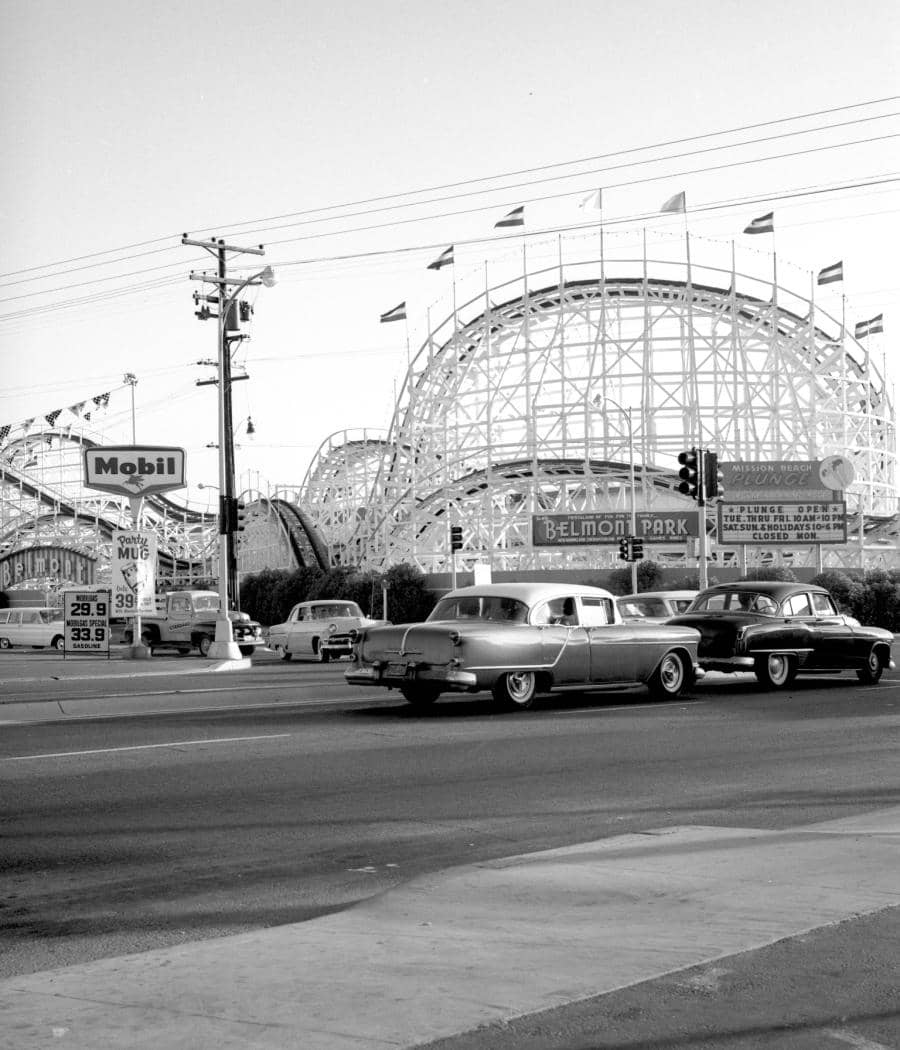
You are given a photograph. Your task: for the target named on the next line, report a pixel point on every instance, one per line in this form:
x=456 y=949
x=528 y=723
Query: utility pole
x=225 y=301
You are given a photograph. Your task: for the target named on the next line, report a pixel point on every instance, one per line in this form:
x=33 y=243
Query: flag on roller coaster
x=51 y=417
x=444 y=259
x=515 y=218
x=764 y=224
x=832 y=273
x=4 y=432
x=397 y=314
x=678 y=203
x=593 y=201
x=871 y=327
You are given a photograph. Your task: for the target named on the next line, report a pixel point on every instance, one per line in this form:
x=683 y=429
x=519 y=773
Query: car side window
x=765 y=604
x=181 y=605
x=4 y=615
x=596 y=612
x=31 y=617
x=798 y=605
x=823 y=605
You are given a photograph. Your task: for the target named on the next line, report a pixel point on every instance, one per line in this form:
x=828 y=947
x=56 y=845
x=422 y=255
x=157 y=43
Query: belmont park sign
x=134 y=470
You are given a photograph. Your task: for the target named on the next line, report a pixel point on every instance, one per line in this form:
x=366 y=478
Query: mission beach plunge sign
x=785 y=502
x=588 y=529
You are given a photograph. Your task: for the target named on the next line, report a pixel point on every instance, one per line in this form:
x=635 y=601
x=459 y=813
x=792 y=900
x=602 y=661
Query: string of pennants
x=674 y=205
x=92 y=404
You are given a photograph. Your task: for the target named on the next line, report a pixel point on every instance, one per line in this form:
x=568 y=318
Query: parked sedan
x=318 y=630
x=780 y=630
x=521 y=639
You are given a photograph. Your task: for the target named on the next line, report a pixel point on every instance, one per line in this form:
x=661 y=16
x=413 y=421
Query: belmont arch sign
x=36 y=563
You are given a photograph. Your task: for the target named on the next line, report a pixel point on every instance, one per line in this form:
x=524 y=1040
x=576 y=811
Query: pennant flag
x=764 y=224
x=444 y=259
x=4 y=432
x=101 y=399
x=87 y=416
x=831 y=273
x=594 y=201
x=515 y=218
x=27 y=425
x=76 y=410
x=675 y=204
x=397 y=314
x=51 y=417
x=871 y=327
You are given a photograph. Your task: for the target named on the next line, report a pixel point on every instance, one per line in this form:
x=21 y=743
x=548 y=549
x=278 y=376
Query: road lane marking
x=146 y=747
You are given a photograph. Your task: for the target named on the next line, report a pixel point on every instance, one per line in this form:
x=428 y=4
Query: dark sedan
x=779 y=630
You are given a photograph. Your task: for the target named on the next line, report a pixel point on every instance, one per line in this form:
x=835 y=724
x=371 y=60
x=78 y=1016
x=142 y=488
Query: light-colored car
x=655 y=606
x=521 y=639
x=318 y=630
x=38 y=628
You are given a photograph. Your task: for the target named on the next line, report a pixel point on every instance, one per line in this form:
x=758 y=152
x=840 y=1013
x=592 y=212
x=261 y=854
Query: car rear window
x=493 y=608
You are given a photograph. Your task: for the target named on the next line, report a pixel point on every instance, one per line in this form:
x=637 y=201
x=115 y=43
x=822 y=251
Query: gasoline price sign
x=86 y=621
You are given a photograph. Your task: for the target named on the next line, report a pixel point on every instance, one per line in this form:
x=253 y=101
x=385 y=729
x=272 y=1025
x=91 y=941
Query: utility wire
x=488 y=178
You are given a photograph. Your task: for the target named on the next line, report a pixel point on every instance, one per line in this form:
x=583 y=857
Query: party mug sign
x=134 y=470
x=133 y=566
x=86 y=617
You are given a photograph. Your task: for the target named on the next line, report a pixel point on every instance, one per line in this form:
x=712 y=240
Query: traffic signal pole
x=701 y=506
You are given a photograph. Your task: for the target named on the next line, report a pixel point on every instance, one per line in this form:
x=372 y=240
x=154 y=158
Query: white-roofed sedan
x=518 y=640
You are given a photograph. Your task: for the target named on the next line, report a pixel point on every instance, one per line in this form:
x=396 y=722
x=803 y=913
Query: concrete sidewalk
x=470 y=946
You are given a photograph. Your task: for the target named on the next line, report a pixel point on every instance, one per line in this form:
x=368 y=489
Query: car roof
x=530 y=591
x=658 y=594
x=776 y=588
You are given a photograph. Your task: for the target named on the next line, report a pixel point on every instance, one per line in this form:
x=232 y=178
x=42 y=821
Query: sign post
x=134 y=471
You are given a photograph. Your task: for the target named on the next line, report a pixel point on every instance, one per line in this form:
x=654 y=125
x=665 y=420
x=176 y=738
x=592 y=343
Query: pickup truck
x=187 y=620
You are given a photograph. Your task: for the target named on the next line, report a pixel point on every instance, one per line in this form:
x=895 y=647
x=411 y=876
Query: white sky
x=127 y=124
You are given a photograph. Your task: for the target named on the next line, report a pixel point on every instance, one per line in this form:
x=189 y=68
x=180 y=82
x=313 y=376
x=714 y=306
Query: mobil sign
x=134 y=470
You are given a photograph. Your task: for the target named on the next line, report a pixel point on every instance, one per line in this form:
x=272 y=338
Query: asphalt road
x=279 y=794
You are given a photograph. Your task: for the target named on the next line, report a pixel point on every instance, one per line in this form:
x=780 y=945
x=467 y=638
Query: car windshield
x=643 y=607
x=735 y=601
x=204 y=602
x=326 y=612
x=490 y=607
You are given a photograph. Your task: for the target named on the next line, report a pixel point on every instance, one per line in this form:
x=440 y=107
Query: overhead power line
x=234 y=227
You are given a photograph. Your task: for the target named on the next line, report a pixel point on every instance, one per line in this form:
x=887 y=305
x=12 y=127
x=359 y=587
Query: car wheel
x=59 y=643
x=285 y=654
x=146 y=638
x=516 y=689
x=205 y=644
x=669 y=678
x=776 y=670
x=183 y=650
x=246 y=650
x=420 y=695
x=324 y=655
x=872 y=672
x=4 y=643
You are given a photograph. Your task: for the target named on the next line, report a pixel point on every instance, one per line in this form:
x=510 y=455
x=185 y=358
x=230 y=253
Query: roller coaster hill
x=582 y=362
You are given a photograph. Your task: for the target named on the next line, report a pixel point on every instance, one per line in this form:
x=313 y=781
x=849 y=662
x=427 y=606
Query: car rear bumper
x=728 y=663
x=450 y=678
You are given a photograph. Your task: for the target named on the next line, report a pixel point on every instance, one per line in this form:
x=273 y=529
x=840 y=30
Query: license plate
x=397 y=670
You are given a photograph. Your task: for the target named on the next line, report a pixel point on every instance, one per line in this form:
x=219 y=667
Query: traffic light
x=240 y=516
x=690 y=484
x=625 y=548
x=456 y=540
x=712 y=476
x=246 y=311
x=637 y=549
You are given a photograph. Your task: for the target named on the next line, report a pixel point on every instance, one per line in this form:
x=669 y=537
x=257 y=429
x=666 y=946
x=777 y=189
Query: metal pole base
x=224 y=651
x=139 y=652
